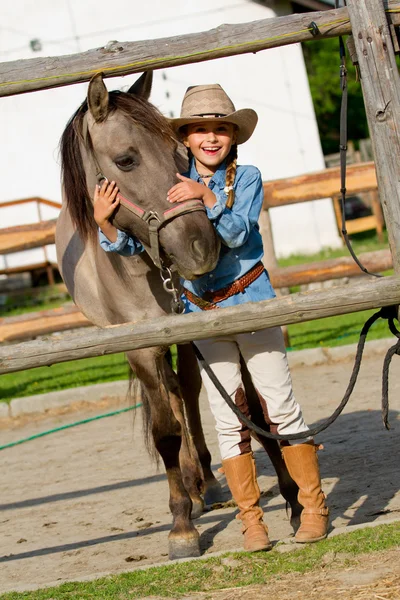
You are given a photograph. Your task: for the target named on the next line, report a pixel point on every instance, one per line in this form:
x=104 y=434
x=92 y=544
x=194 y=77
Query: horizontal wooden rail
x=27 y=326
x=41 y=322
x=327 y=270
x=122 y=58
x=27 y=268
x=360 y=177
x=37 y=199
x=26 y=237
x=172 y=329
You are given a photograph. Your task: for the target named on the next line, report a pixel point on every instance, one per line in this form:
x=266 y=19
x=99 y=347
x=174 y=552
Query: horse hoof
x=295 y=523
x=295 y=517
x=183 y=548
x=213 y=493
x=197 y=508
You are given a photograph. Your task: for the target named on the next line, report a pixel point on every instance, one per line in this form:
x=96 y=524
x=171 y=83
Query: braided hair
x=230 y=176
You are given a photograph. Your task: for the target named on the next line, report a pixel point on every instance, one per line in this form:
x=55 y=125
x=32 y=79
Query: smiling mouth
x=211 y=151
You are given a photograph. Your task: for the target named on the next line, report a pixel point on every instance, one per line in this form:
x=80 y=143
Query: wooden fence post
x=270 y=261
x=381 y=90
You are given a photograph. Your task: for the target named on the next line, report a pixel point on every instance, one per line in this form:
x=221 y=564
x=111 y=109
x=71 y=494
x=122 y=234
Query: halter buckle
x=149 y=215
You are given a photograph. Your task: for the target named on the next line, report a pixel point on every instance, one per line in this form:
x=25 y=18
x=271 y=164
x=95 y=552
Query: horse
x=121 y=136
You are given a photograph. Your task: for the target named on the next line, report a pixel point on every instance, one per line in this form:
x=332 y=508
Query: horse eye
x=126 y=163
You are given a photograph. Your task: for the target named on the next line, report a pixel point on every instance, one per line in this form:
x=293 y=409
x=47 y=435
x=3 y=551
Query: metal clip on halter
x=177 y=305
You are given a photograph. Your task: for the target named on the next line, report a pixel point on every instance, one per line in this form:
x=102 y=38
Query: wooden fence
x=370 y=23
x=27 y=237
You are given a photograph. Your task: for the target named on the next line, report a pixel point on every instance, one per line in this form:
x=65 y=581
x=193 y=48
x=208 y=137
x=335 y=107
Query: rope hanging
x=389 y=313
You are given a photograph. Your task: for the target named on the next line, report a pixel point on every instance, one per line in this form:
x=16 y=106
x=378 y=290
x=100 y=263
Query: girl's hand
x=189 y=189
x=105 y=202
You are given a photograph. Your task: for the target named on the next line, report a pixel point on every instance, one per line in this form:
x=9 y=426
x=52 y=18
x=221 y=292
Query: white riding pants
x=265 y=356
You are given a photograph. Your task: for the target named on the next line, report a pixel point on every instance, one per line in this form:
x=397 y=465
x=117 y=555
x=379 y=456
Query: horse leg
x=149 y=365
x=287 y=487
x=188 y=457
x=190 y=384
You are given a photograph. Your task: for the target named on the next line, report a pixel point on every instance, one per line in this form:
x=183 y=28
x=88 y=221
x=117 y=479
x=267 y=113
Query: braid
x=230 y=176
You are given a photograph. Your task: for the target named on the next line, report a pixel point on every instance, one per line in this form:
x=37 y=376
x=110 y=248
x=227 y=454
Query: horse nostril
x=197 y=249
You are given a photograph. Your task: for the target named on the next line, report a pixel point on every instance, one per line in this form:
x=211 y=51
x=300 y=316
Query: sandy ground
x=88 y=501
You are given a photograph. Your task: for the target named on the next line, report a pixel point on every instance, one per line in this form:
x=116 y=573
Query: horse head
x=122 y=137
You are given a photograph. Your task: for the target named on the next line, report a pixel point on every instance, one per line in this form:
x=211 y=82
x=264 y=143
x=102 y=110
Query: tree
x=323 y=67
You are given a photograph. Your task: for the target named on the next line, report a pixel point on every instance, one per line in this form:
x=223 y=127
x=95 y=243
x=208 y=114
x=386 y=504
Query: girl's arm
x=124 y=244
x=234 y=225
x=105 y=201
x=112 y=239
x=188 y=189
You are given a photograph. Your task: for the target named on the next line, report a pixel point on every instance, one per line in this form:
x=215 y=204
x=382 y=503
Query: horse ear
x=142 y=86
x=98 y=98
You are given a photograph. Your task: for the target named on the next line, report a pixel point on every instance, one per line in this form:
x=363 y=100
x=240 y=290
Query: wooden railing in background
x=27 y=237
x=361 y=177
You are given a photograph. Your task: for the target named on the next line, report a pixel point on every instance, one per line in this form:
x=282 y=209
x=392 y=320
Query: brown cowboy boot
x=240 y=472
x=302 y=463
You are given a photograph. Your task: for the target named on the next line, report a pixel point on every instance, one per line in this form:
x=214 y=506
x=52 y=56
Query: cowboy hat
x=210 y=102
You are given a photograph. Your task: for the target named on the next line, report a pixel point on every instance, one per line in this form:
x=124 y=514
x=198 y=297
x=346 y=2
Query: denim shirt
x=241 y=247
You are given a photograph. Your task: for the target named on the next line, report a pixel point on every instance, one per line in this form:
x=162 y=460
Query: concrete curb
x=117 y=390
x=40 y=403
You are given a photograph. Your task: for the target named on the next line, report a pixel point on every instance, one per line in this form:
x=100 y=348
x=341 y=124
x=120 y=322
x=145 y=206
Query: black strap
x=343 y=150
x=389 y=313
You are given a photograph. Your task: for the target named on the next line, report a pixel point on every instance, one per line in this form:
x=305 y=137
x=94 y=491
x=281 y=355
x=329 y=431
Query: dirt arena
x=88 y=501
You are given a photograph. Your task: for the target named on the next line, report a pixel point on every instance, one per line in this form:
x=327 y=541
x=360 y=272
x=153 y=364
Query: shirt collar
x=218 y=178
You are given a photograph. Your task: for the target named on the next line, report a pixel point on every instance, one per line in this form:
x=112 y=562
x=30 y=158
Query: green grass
x=46 y=305
x=173 y=581
x=361 y=242
x=87 y=371
x=335 y=331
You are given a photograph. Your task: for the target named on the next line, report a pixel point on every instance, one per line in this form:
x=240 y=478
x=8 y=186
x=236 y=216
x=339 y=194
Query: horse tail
x=188 y=373
x=137 y=397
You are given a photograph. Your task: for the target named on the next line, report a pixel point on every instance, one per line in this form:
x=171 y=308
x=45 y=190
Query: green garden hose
x=43 y=433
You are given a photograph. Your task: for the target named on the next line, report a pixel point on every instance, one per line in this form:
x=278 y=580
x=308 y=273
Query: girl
x=211 y=129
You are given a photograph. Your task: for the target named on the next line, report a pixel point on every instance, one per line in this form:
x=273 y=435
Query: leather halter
x=155 y=221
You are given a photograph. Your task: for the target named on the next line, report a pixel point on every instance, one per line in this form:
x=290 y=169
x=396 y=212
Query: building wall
x=273 y=82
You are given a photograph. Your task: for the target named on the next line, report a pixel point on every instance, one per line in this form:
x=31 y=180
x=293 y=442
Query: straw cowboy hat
x=210 y=102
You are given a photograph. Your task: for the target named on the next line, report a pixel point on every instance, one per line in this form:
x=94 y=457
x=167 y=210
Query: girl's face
x=210 y=143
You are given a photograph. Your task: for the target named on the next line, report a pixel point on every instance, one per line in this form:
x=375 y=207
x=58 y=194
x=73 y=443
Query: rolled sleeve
x=125 y=245
x=218 y=208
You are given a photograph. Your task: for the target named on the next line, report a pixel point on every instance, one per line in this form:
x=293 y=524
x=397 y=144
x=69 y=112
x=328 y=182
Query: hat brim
x=245 y=120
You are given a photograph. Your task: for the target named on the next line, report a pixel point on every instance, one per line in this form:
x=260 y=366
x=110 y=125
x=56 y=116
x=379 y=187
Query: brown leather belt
x=208 y=301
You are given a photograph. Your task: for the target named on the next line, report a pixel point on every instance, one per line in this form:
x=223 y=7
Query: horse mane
x=73 y=176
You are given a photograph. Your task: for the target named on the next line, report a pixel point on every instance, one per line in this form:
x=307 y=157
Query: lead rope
x=390 y=313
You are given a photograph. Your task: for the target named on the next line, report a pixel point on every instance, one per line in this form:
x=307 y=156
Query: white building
x=273 y=82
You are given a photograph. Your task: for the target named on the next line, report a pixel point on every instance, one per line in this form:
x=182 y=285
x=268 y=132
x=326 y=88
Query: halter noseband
x=156 y=221
x=153 y=219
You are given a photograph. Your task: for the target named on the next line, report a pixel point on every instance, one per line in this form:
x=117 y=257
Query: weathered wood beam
x=41 y=322
x=361 y=177
x=123 y=58
x=27 y=268
x=36 y=199
x=26 y=237
x=27 y=326
x=172 y=329
x=327 y=270
x=381 y=90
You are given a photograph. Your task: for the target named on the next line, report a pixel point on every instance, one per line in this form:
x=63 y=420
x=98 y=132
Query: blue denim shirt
x=238 y=229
